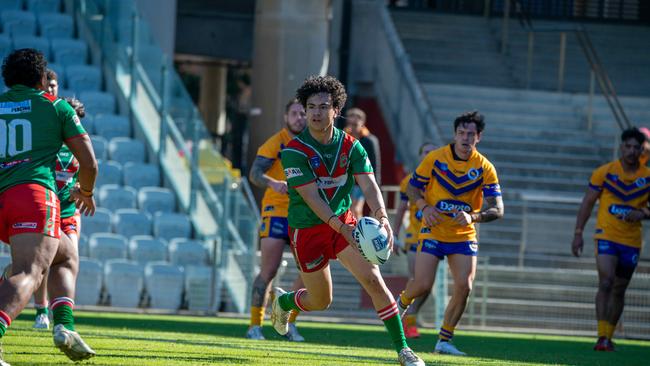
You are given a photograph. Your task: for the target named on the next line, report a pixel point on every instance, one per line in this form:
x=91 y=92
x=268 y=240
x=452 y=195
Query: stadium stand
x=123 y=282
x=145 y=248
x=164 y=283
x=114 y=197
x=105 y=246
x=156 y=199
x=126 y=150
x=197 y=287
x=89 y=282
x=131 y=222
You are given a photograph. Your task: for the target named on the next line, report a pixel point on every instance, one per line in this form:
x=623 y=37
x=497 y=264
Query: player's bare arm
x=588 y=202
x=309 y=193
x=258 y=175
x=493 y=211
x=430 y=216
x=375 y=201
x=399 y=218
x=82 y=194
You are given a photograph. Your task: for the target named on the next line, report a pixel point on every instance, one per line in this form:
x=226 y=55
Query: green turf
x=152 y=340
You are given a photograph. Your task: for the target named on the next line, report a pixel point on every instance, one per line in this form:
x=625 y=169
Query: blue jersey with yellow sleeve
x=621 y=192
x=452 y=185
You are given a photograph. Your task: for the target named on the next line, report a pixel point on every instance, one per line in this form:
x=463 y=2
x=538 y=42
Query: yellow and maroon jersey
x=452 y=185
x=274 y=203
x=621 y=192
x=415 y=216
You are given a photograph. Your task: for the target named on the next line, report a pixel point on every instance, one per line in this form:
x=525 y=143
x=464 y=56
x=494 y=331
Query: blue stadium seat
x=5 y=45
x=67 y=93
x=156 y=199
x=184 y=252
x=138 y=175
x=100 y=145
x=44 y=6
x=197 y=287
x=18 y=23
x=131 y=222
x=125 y=150
x=110 y=172
x=39 y=43
x=69 y=51
x=98 y=223
x=98 y=102
x=89 y=282
x=144 y=248
x=114 y=197
x=124 y=282
x=109 y=126
x=164 y=283
x=55 y=25
x=81 y=78
x=11 y=4
x=83 y=246
x=104 y=246
x=89 y=123
x=171 y=225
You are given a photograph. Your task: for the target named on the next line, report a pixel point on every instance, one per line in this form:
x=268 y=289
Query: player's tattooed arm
x=493 y=211
x=259 y=291
x=258 y=171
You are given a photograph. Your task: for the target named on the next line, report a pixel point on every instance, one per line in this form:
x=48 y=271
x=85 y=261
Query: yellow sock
x=293 y=316
x=405 y=300
x=602 y=328
x=411 y=320
x=446 y=332
x=610 y=330
x=257 y=315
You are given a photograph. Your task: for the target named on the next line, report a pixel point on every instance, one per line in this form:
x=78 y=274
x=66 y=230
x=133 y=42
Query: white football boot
x=447 y=348
x=255 y=332
x=71 y=344
x=293 y=334
x=2 y=359
x=408 y=358
x=279 y=317
x=42 y=322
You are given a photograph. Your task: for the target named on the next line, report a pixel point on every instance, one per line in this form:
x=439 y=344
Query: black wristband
x=328 y=220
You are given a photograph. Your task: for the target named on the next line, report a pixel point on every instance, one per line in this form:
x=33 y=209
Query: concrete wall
x=161 y=17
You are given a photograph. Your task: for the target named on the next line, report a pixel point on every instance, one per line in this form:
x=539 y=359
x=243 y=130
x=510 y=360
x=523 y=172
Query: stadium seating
x=82 y=78
x=145 y=248
x=5 y=44
x=55 y=25
x=185 y=252
x=126 y=150
x=100 y=145
x=11 y=4
x=69 y=51
x=100 y=222
x=197 y=287
x=138 y=175
x=124 y=282
x=171 y=225
x=89 y=282
x=97 y=102
x=156 y=199
x=104 y=246
x=110 y=172
x=18 y=23
x=82 y=246
x=164 y=283
x=39 y=43
x=109 y=126
x=41 y=7
x=114 y=197
x=131 y=222
x=5 y=259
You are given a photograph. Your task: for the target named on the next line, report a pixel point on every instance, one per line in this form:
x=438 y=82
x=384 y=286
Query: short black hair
x=289 y=104
x=322 y=84
x=78 y=107
x=25 y=66
x=51 y=75
x=471 y=117
x=633 y=133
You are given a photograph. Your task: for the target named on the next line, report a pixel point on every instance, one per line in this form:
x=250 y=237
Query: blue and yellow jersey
x=452 y=185
x=415 y=217
x=621 y=192
x=274 y=203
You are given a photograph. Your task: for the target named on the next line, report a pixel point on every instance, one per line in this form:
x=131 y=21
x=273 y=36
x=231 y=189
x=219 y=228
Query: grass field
x=157 y=340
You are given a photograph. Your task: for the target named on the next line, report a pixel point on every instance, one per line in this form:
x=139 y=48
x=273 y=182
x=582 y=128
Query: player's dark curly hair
x=633 y=133
x=470 y=117
x=322 y=84
x=78 y=107
x=25 y=66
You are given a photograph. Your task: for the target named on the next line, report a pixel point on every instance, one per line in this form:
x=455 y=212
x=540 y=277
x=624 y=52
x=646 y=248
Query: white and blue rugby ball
x=372 y=240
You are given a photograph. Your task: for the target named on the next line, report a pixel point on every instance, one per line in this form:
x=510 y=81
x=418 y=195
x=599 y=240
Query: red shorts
x=29 y=208
x=71 y=225
x=313 y=247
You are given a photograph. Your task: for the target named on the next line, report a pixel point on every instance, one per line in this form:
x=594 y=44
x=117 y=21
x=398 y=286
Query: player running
x=35 y=125
x=448 y=187
x=411 y=243
x=321 y=165
x=622 y=187
x=266 y=172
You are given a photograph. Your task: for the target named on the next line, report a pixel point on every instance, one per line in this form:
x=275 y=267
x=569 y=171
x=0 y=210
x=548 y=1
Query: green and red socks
x=291 y=300
x=390 y=316
x=41 y=309
x=5 y=322
x=62 y=312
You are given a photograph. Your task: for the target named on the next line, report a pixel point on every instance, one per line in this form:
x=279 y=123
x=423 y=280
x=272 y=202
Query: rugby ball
x=372 y=240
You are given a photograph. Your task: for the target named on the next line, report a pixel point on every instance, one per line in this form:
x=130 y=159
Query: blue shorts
x=628 y=257
x=275 y=227
x=441 y=249
x=412 y=247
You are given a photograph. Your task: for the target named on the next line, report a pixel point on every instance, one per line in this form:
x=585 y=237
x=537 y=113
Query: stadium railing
x=218 y=202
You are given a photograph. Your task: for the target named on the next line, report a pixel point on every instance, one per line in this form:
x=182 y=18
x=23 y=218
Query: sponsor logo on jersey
x=418 y=215
x=329 y=182
x=11 y=164
x=64 y=177
x=269 y=208
x=425 y=230
x=451 y=207
x=313 y=264
x=76 y=120
x=620 y=211
x=24 y=225
x=473 y=173
x=343 y=160
x=293 y=172
x=24 y=106
x=640 y=182
x=314 y=162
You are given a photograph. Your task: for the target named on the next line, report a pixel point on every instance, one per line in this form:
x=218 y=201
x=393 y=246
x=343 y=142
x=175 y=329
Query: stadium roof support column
x=290 y=43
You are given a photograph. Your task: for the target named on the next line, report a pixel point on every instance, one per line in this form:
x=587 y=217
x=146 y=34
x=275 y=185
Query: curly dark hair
x=322 y=84
x=471 y=117
x=25 y=66
x=78 y=107
x=633 y=133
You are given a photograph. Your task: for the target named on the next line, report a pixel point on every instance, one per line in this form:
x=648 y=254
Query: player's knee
x=321 y=303
x=463 y=288
x=606 y=285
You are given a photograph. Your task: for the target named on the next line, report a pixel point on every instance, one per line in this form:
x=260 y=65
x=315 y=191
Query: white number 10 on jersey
x=9 y=140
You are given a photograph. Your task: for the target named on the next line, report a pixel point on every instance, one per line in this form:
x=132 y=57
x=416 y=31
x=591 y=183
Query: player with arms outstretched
x=622 y=186
x=321 y=165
